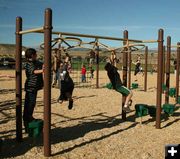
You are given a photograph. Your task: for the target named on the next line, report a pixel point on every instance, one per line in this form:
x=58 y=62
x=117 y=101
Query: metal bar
x=132 y=44
x=175 y=46
x=94 y=36
x=40 y=30
x=129 y=66
x=32 y=30
x=159 y=78
x=125 y=63
x=47 y=81
x=149 y=41
x=18 y=80
x=177 y=72
x=97 y=65
x=100 y=37
x=145 y=69
x=168 y=69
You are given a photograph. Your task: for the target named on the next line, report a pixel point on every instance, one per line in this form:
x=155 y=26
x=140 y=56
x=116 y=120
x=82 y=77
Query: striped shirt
x=34 y=82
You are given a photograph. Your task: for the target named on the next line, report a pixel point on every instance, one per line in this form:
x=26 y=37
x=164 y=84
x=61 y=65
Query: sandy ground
x=93 y=129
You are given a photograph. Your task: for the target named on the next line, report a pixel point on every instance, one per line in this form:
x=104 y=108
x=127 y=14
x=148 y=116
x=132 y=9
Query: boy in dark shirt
x=67 y=85
x=34 y=82
x=118 y=86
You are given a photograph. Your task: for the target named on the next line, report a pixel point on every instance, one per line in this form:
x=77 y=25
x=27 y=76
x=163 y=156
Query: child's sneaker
x=26 y=126
x=126 y=109
x=59 y=101
x=70 y=106
x=130 y=103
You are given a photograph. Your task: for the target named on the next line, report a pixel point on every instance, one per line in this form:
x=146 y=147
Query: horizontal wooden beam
x=35 y=30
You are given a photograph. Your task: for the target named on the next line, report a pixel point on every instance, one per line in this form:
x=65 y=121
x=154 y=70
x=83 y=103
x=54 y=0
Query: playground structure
x=95 y=46
x=57 y=43
x=47 y=31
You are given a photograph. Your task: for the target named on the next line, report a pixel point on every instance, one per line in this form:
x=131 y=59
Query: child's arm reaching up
x=39 y=71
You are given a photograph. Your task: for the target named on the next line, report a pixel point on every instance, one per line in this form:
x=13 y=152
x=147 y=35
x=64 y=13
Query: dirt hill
x=8 y=49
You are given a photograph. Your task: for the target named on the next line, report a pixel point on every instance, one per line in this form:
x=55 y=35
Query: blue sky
x=142 y=18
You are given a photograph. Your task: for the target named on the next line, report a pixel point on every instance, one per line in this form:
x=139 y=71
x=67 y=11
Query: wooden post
x=168 y=69
x=129 y=66
x=159 y=78
x=18 y=79
x=163 y=69
x=47 y=82
x=145 y=69
x=125 y=64
x=177 y=71
x=97 y=64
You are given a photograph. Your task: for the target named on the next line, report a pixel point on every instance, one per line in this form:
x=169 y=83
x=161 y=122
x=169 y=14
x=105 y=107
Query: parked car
x=7 y=62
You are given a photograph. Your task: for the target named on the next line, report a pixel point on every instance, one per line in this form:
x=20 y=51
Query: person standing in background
x=83 y=73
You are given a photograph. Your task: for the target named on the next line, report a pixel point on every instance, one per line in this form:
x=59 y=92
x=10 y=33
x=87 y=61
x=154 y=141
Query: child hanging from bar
x=91 y=71
x=34 y=82
x=113 y=58
x=67 y=85
x=118 y=86
x=137 y=66
x=55 y=65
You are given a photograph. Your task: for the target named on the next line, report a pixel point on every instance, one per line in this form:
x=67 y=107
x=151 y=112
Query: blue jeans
x=83 y=78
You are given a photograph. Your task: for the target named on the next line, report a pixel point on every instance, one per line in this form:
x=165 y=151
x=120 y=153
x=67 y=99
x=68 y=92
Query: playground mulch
x=93 y=129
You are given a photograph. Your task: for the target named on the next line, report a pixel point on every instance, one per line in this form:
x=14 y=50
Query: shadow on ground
x=12 y=148
x=96 y=122
x=7 y=91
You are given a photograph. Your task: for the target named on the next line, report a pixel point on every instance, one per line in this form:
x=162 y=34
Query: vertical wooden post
x=163 y=69
x=47 y=81
x=129 y=66
x=125 y=64
x=168 y=69
x=145 y=69
x=159 y=78
x=18 y=79
x=97 y=64
x=177 y=71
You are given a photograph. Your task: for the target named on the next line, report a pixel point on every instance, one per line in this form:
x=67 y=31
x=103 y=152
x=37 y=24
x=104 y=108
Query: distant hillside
x=8 y=49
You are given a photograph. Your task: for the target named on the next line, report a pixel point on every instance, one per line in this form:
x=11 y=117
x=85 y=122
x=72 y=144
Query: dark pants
x=66 y=94
x=56 y=76
x=66 y=90
x=30 y=102
x=136 y=71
